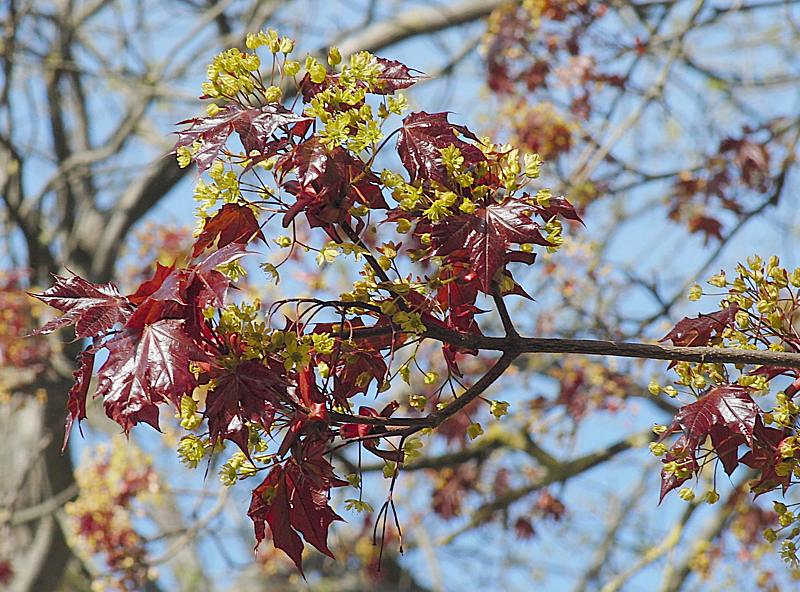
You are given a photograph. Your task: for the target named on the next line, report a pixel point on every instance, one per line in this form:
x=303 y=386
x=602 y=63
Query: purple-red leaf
x=250 y=392
x=726 y=444
x=270 y=505
x=328 y=184
x=294 y=499
x=146 y=368
x=701 y=329
x=394 y=76
x=76 y=399
x=728 y=406
x=483 y=238
x=254 y=125
x=93 y=308
x=234 y=223
x=185 y=292
x=728 y=414
x=421 y=140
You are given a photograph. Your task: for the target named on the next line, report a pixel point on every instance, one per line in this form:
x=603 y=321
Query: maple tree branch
x=676 y=575
x=508 y=324
x=515 y=345
x=622 y=349
x=417 y=21
x=602 y=553
x=494 y=440
x=45 y=508
x=561 y=472
x=652 y=554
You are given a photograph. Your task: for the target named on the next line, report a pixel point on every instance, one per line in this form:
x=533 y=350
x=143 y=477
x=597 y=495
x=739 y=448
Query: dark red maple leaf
x=483 y=238
x=710 y=227
x=148 y=287
x=93 y=308
x=250 y=392
x=234 y=223
x=293 y=500
x=701 y=329
x=146 y=368
x=726 y=444
x=6 y=572
x=457 y=297
x=184 y=293
x=254 y=125
x=683 y=454
x=76 y=399
x=421 y=140
x=355 y=362
x=728 y=414
x=557 y=207
x=328 y=184
x=751 y=158
x=394 y=76
x=727 y=406
x=360 y=430
x=161 y=297
x=765 y=456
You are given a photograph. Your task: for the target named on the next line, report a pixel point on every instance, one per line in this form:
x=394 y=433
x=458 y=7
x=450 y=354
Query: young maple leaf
x=293 y=500
x=328 y=184
x=146 y=368
x=148 y=287
x=234 y=223
x=254 y=125
x=421 y=140
x=699 y=330
x=557 y=207
x=727 y=406
x=184 y=293
x=248 y=393
x=725 y=443
x=683 y=454
x=728 y=414
x=394 y=76
x=93 y=308
x=483 y=238
x=76 y=399
x=765 y=456
x=269 y=505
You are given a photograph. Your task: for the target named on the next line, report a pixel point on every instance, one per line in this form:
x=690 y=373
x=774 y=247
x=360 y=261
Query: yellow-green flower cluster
x=767 y=302
x=785 y=412
x=192 y=449
x=223 y=188
x=231 y=73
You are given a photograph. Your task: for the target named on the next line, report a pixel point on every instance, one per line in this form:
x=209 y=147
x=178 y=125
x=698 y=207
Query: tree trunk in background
x=37 y=480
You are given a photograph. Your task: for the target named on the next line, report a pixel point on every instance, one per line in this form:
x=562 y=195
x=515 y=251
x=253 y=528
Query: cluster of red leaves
x=15 y=316
x=740 y=166
x=6 y=572
x=724 y=415
x=103 y=524
x=164 y=340
x=538 y=47
x=585 y=386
